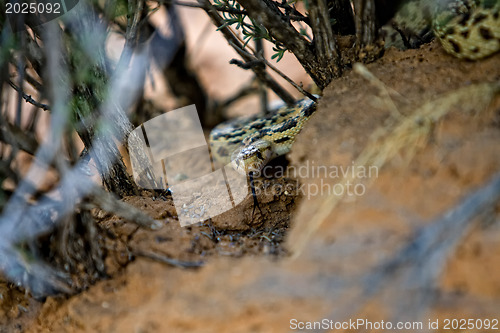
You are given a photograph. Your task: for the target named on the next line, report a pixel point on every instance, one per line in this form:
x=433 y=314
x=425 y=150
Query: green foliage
x=279 y=53
x=9 y=44
x=120 y=8
x=88 y=81
x=234 y=15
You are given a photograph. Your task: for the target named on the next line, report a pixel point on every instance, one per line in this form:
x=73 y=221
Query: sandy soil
x=261 y=272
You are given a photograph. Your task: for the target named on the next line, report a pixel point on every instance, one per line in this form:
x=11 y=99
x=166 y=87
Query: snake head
x=252 y=157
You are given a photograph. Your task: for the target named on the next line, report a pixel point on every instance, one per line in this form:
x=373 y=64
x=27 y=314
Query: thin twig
x=295 y=85
x=28 y=98
x=297 y=17
x=16 y=137
x=240 y=94
x=107 y=202
x=233 y=40
x=285 y=33
x=167 y=260
x=198 y=5
x=31 y=80
x=259 y=46
x=259 y=58
x=131 y=33
x=21 y=73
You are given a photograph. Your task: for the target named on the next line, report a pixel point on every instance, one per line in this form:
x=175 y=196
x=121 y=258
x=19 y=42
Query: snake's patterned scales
x=466 y=28
x=249 y=143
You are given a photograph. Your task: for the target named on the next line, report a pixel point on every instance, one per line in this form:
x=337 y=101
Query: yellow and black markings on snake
x=468 y=29
x=251 y=142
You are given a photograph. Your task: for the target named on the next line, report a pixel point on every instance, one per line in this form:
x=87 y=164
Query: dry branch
x=260 y=72
x=266 y=14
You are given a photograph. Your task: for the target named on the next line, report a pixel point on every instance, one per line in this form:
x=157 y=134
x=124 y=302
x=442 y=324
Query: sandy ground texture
x=358 y=229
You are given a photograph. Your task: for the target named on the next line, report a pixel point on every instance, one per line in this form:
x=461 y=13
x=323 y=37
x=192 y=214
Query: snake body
x=466 y=28
x=470 y=29
x=249 y=143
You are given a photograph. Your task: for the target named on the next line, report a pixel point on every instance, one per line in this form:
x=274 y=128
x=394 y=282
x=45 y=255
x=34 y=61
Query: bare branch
x=324 y=41
x=365 y=16
x=219 y=8
x=108 y=203
x=283 y=31
x=260 y=59
x=28 y=98
x=274 y=21
x=170 y=261
x=232 y=40
x=16 y=137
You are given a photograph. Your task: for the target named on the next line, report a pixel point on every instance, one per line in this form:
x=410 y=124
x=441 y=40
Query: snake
x=249 y=143
x=467 y=29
